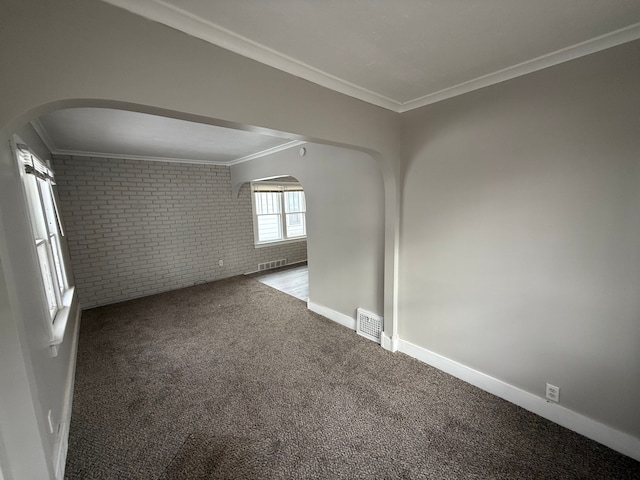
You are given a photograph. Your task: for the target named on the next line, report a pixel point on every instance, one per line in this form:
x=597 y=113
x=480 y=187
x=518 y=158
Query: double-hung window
x=46 y=227
x=279 y=212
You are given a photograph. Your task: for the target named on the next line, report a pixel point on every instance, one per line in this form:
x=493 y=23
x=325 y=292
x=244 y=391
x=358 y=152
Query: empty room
x=453 y=186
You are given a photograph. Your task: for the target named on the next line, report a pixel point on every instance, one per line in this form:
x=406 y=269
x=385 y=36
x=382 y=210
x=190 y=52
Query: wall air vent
x=369 y=325
x=273 y=264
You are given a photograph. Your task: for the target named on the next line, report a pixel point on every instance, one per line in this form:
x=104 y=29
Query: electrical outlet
x=221 y=263
x=553 y=393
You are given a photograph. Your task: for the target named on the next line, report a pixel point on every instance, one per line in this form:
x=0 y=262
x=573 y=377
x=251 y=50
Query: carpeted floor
x=235 y=380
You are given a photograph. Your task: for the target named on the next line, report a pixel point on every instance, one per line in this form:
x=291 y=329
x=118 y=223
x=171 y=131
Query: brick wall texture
x=136 y=228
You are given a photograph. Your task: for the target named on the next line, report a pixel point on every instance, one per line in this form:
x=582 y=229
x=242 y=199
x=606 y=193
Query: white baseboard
x=341 y=318
x=389 y=343
x=612 y=438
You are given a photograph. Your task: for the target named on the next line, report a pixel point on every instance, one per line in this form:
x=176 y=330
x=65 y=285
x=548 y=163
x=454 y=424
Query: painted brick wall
x=136 y=228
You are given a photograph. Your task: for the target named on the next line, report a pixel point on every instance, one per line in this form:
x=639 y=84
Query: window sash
x=46 y=228
x=47 y=279
x=269 y=228
x=279 y=212
x=296 y=225
x=57 y=262
x=294 y=202
x=268 y=203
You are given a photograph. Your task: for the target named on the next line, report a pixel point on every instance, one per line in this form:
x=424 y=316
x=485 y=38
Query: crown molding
x=189 y=23
x=612 y=39
x=44 y=136
x=174 y=17
x=268 y=151
x=197 y=161
x=149 y=158
x=46 y=139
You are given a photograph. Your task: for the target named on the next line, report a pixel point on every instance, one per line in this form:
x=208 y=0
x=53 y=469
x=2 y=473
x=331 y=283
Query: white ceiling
x=101 y=132
x=402 y=54
x=397 y=54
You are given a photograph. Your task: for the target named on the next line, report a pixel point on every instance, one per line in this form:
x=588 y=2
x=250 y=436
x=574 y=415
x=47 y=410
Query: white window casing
x=279 y=213
x=46 y=227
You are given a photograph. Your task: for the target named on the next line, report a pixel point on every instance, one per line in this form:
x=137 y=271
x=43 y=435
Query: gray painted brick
x=136 y=228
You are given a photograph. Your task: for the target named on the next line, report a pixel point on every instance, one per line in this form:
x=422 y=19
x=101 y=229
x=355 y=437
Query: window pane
x=55 y=246
x=294 y=202
x=269 y=228
x=47 y=203
x=43 y=257
x=296 y=225
x=38 y=222
x=267 y=202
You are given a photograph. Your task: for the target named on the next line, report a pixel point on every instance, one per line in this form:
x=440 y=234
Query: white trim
x=389 y=343
x=46 y=139
x=612 y=438
x=195 y=26
x=44 y=136
x=81 y=153
x=61 y=320
x=62 y=444
x=341 y=318
x=593 y=45
x=268 y=151
x=280 y=242
x=283 y=216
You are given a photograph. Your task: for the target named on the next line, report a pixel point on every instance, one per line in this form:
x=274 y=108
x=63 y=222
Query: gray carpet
x=236 y=380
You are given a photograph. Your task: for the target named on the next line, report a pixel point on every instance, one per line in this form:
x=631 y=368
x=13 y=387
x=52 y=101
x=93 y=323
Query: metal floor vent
x=273 y=264
x=369 y=325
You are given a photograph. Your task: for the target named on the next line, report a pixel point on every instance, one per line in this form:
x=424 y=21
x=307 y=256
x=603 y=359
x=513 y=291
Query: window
x=46 y=227
x=279 y=212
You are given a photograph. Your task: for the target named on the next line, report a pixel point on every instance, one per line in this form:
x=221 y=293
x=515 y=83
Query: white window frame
x=47 y=232
x=277 y=187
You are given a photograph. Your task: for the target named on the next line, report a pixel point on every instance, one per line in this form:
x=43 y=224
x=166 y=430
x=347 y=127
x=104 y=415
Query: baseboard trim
x=608 y=436
x=389 y=343
x=341 y=318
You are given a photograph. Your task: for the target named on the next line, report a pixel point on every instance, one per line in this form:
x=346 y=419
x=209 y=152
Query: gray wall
x=572 y=306
x=32 y=380
x=137 y=227
x=345 y=222
x=521 y=218
x=62 y=54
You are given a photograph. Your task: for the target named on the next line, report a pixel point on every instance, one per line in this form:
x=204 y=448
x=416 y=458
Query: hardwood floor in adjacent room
x=293 y=281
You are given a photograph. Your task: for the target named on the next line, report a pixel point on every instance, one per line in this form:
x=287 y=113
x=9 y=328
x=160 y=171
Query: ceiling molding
x=195 y=26
x=191 y=24
x=46 y=139
x=612 y=39
x=44 y=136
x=120 y=156
x=268 y=151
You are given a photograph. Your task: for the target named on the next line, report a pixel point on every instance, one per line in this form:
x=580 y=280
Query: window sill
x=280 y=242
x=61 y=321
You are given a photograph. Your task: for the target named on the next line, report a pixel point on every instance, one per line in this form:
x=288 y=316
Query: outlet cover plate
x=553 y=393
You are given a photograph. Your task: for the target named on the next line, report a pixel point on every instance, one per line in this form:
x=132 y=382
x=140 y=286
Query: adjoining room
x=297 y=240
